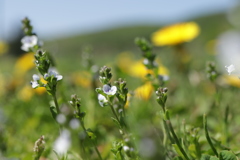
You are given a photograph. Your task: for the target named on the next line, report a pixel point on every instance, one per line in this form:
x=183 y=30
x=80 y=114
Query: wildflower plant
x=39 y=148
x=79 y=114
x=43 y=64
x=115 y=97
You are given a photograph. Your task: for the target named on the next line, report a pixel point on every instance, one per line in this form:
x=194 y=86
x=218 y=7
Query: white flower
x=54 y=73
x=109 y=90
x=126 y=148
x=102 y=100
x=61 y=118
x=63 y=142
x=35 y=83
x=74 y=123
x=146 y=61
x=28 y=42
x=230 y=68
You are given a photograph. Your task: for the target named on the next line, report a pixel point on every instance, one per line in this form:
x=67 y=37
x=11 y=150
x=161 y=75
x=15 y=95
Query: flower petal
x=36 y=77
x=230 y=68
x=34 y=84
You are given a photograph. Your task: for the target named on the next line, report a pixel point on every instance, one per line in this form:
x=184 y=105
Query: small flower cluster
x=39 y=147
x=146 y=48
x=122 y=90
x=30 y=41
x=162 y=96
x=150 y=63
x=76 y=104
x=50 y=75
x=212 y=74
x=106 y=93
x=43 y=61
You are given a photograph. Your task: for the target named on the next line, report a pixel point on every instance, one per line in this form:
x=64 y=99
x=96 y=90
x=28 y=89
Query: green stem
x=85 y=131
x=168 y=132
x=226 y=125
x=177 y=140
x=56 y=103
x=98 y=153
x=58 y=110
x=83 y=150
x=165 y=125
x=115 y=114
x=207 y=135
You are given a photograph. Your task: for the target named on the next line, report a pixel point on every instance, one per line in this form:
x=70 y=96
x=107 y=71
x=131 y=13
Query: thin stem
x=177 y=140
x=83 y=149
x=96 y=149
x=168 y=133
x=207 y=135
x=58 y=110
x=56 y=103
x=115 y=114
x=165 y=125
x=85 y=131
x=226 y=125
x=121 y=155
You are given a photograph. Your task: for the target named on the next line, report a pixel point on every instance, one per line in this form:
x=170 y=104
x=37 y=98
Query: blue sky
x=58 y=18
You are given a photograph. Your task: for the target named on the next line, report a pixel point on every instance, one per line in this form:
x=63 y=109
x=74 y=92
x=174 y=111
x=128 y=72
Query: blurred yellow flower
x=2 y=85
x=3 y=47
x=128 y=100
x=39 y=90
x=124 y=61
x=26 y=93
x=145 y=91
x=232 y=80
x=24 y=63
x=175 y=34
x=137 y=69
x=82 y=79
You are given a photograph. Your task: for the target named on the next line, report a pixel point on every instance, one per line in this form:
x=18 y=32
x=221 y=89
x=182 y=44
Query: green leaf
x=177 y=150
x=91 y=135
x=227 y=155
x=205 y=157
x=177 y=158
x=116 y=121
x=54 y=112
x=213 y=158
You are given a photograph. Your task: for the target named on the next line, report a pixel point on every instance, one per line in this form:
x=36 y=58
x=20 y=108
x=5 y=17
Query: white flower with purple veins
x=53 y=73
x=35 y=83
x=28 y=42
x=102 y=100
x=107 y=89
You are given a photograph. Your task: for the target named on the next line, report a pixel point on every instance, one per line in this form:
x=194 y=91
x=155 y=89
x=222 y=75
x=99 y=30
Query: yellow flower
x=124 y=61
x=145 y=91
x=82 y=79
x=40 y=90
x=3 y=47
x=232 y=80
x=128 y=100
x=2 y=85
x=138 y=69
x=24 y=63
x=26 y=93
x=175 y=34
